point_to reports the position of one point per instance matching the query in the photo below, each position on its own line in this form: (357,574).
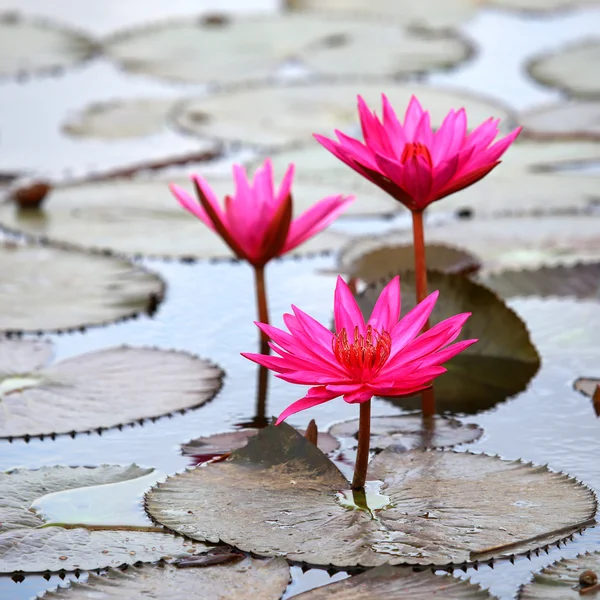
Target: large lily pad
(411,432)
(277,115)
(120,119)
(277,497)
(498,366)
(235,580)
(579,281)
(25,545)
(34,46)
(567,119)
(397,583)
(436,14)
(367,260)
(570,68)
(512,243)
(51,289)
(561,580)
(138,217)
(88,392)
(233,48)
(541,6)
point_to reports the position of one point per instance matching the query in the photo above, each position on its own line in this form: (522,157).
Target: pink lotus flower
(384,356)
(256,222)
(413,163)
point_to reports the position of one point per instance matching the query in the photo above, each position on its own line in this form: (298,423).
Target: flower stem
(362,453)
(427,396)
(261,305)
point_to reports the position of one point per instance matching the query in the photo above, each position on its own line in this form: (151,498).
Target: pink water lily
(256,221)
(413,163)
(384,356)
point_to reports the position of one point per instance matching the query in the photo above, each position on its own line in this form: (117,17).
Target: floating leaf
(587,385)
(579,281)
(87,392)
(541,6)
(510,243)
(233,48)
(368,260)
(411,432)
(241,579)
(274,115)
(570,69)
(498,366)
(435,14)
(51,289)
(34,46)
(205,448)
(567,119)
(27,546)
(444,507)
(138,217)
(397,583)
(562,579)
(120,119)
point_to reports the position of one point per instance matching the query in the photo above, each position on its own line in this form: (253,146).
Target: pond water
(209,308)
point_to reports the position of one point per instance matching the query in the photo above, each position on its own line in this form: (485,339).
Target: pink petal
(358,395)
(286,184)
(391,168)
(346,312)
(315,396)
(387,308)
(409,326)
(210,195)
(447,353)
(423,132)
(417,179)
(392,124)
(374,133)
(443,174)
(500,147)
(191,205)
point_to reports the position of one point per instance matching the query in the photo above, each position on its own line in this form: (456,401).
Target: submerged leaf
(138,217)
(397,583)
(87,392)
(27,546)
(242,47)
(411,432)
(275,115)
(34,46)
(564,579)
(51,289)
(498,366)
(444,507)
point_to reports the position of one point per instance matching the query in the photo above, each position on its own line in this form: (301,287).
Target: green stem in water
(427,396)
(362,453)
(262,307)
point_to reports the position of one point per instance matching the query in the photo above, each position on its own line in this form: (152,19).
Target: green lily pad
(239,579)
(561,580)
(568,119)
(436,14)
(276,115)
(85,393)
(137,218)
(120,119)
(237,47)
(444,507)
(29,45)
(25,545)
(51,289)
(367,260)
(570,69)
(581,280)
(411,432)
(500,365)
(397,583)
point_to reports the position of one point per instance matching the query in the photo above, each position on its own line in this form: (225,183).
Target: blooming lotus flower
(256,222)
(413,163)
(384,356)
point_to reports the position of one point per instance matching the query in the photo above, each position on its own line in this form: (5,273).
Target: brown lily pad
(411,432)
(26,545)
(498,366)
(397,583)
(444,507)
(29,45)
(246,578)
(85,393)
(570,68)
(242,47)
(51,289)
(569,119)
(276,115)
(565,579)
